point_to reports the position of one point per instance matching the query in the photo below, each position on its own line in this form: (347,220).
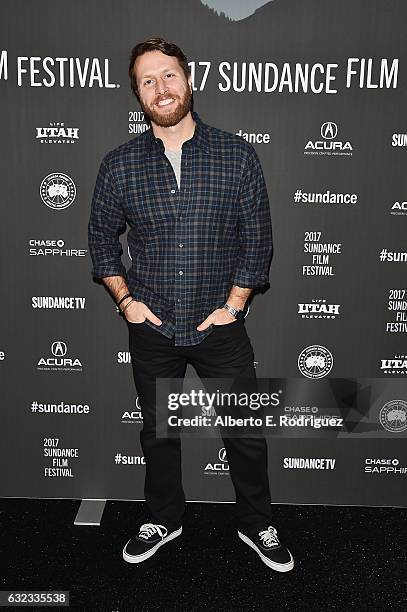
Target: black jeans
(226,352)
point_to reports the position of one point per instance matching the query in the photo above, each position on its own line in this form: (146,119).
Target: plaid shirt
(190,245)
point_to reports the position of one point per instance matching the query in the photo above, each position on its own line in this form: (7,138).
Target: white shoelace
(269,537)
(148,529)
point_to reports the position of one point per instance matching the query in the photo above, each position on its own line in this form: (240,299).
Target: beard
(172,118)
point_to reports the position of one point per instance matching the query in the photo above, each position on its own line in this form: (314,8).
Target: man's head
(160,78)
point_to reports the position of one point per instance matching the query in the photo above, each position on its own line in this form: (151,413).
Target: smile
(165,102)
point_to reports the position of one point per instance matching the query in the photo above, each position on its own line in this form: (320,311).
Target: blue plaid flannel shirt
(188,246)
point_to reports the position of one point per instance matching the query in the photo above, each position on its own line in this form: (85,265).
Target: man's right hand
(138,312)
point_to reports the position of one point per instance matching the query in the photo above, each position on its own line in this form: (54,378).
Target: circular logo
(393,416)
(58,348)
(315,361)
(57,191)
(329,130)
(222,455)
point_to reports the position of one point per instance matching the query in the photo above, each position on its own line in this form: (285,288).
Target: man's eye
(170,74)
(147,82)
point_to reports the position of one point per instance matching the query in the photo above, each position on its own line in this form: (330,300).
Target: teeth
(165,102)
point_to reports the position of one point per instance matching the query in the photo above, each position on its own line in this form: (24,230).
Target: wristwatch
(238,314)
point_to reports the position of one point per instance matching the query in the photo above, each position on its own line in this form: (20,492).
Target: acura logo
(222,455)
(58,349)
(329,130)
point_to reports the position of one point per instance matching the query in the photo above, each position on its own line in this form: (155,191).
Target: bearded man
(195,200)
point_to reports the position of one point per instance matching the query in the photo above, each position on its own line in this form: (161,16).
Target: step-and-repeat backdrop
(319,89)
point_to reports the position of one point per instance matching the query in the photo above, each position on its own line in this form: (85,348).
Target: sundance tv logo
(39,302)
(329,145)
(60,360)
(308,463)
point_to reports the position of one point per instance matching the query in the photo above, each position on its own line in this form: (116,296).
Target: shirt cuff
(109,271)
(245,279)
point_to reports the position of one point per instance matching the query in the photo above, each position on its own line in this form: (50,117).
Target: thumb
(152,317)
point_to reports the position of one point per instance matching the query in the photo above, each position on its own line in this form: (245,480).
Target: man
(196,203)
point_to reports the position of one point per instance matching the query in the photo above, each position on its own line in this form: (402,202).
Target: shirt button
(180,245)
(178,299)
(172,190)
(180,272)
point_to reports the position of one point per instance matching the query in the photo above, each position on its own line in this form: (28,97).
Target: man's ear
(190,83)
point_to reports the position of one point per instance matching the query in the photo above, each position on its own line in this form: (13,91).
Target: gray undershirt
(175,159)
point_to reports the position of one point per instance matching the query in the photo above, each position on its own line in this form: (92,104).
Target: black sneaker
(269,548)
(148,541)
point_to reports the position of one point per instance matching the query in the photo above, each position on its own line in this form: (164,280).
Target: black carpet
(346,558)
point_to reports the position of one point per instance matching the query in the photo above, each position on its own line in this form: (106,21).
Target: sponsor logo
(399,140)
(397,365)
(58,303)
(315,361)
(254,138)
(399,208)
(328,146)
(384,466)
(219,468)
(308,463)
(123,357)
(393,416)
(57,191)
(318,309)
(133,416)
(52,248)
(59,362)
(57,133)
(329,130)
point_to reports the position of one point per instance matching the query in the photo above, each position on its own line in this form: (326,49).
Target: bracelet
(127,305)
(123,298)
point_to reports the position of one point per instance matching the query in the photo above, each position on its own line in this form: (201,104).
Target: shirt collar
(199,137)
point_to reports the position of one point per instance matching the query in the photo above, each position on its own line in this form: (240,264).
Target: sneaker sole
(150,553)
(279,567)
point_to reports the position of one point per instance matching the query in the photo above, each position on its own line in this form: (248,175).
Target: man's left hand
(220,316)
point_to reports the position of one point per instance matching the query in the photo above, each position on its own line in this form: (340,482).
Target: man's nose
(161,87)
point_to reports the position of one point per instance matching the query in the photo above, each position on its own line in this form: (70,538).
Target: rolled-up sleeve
(106,223)
(255,233)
